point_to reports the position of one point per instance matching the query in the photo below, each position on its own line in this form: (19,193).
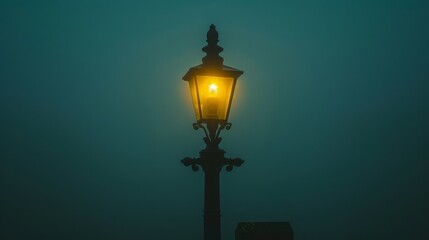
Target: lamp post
(212,86)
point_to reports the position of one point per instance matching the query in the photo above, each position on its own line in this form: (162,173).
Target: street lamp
(212,86)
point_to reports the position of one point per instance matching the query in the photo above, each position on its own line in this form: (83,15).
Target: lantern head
(212,84)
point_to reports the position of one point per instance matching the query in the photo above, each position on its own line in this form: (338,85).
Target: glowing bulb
(213,88)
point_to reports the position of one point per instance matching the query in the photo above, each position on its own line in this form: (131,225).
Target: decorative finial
(212,59)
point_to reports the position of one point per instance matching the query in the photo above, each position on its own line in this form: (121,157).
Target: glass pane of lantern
(214,95)
(193,87)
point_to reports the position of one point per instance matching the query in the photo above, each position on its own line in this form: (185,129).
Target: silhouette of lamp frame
(212,86)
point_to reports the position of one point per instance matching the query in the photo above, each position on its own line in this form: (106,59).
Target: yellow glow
(214,95)
(193,87)
(213,89)
(211,96)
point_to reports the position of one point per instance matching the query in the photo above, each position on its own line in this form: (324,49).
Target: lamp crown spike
(212,59)
(212,35)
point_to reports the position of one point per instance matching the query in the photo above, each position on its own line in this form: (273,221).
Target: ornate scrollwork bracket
(212,157)
(194,162)
(212,130)
(233,162)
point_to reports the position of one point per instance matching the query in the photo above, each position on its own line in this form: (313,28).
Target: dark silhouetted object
(263,231)
(212,87)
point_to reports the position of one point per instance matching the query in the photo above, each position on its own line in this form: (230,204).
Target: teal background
(331,117)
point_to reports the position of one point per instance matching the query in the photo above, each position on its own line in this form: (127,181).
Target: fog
(331,117)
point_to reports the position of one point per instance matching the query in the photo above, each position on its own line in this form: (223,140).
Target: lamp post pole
(212,161)
(212,158)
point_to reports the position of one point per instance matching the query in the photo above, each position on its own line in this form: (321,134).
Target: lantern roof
(223,71)
(212,62)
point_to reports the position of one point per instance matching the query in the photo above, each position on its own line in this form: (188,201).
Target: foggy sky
(331,117)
